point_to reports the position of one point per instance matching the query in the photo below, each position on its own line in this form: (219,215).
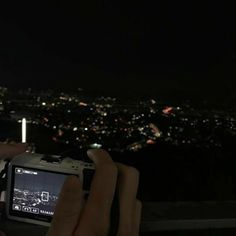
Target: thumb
(2,234)
(9,150)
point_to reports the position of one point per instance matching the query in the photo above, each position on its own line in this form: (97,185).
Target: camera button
(26,209)
(16,207)
(35,210)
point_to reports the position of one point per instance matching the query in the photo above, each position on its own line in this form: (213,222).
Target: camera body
(34,182)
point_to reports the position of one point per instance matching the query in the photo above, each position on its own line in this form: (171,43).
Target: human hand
(76,217)
(2,234)
(9,150)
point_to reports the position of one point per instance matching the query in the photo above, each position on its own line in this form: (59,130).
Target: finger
(10,150)
(137,218)
(96,212)
(2,234)
(68,208)
(128,180)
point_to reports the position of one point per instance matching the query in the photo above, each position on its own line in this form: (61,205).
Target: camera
(35,181)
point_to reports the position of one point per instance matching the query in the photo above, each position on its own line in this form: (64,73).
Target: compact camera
(34,182)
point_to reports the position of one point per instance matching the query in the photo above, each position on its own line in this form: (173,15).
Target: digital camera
(34,182)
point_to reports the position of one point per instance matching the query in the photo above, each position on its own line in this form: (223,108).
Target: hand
(2,234)
(9,150)
(75,217)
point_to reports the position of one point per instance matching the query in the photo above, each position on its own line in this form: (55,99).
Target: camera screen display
(34,192)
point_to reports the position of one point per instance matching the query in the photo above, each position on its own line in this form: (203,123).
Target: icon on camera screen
(16,207)
(34,210)
(26,209)
(45,196)
(18,171)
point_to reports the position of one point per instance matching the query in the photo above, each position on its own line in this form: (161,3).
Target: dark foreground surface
(182,218)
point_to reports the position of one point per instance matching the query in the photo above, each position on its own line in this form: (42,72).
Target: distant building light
(167,110)
(153,101)
(23,138)
(96,145)
(83,104)
(60,132)
(150,141)
(155,130)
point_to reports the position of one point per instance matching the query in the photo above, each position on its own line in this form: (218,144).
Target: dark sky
(166,48)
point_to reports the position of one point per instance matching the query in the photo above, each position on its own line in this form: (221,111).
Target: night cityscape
(155,136)
(151,83)
(82,121)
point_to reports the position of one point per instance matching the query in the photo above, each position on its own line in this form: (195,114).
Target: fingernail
(91,155)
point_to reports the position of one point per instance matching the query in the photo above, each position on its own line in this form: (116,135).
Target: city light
(117,125)
(23,130)
(167,110)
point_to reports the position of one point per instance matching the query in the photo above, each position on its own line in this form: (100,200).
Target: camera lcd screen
(34,192)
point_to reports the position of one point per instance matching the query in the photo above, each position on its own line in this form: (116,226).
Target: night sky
(170,48)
